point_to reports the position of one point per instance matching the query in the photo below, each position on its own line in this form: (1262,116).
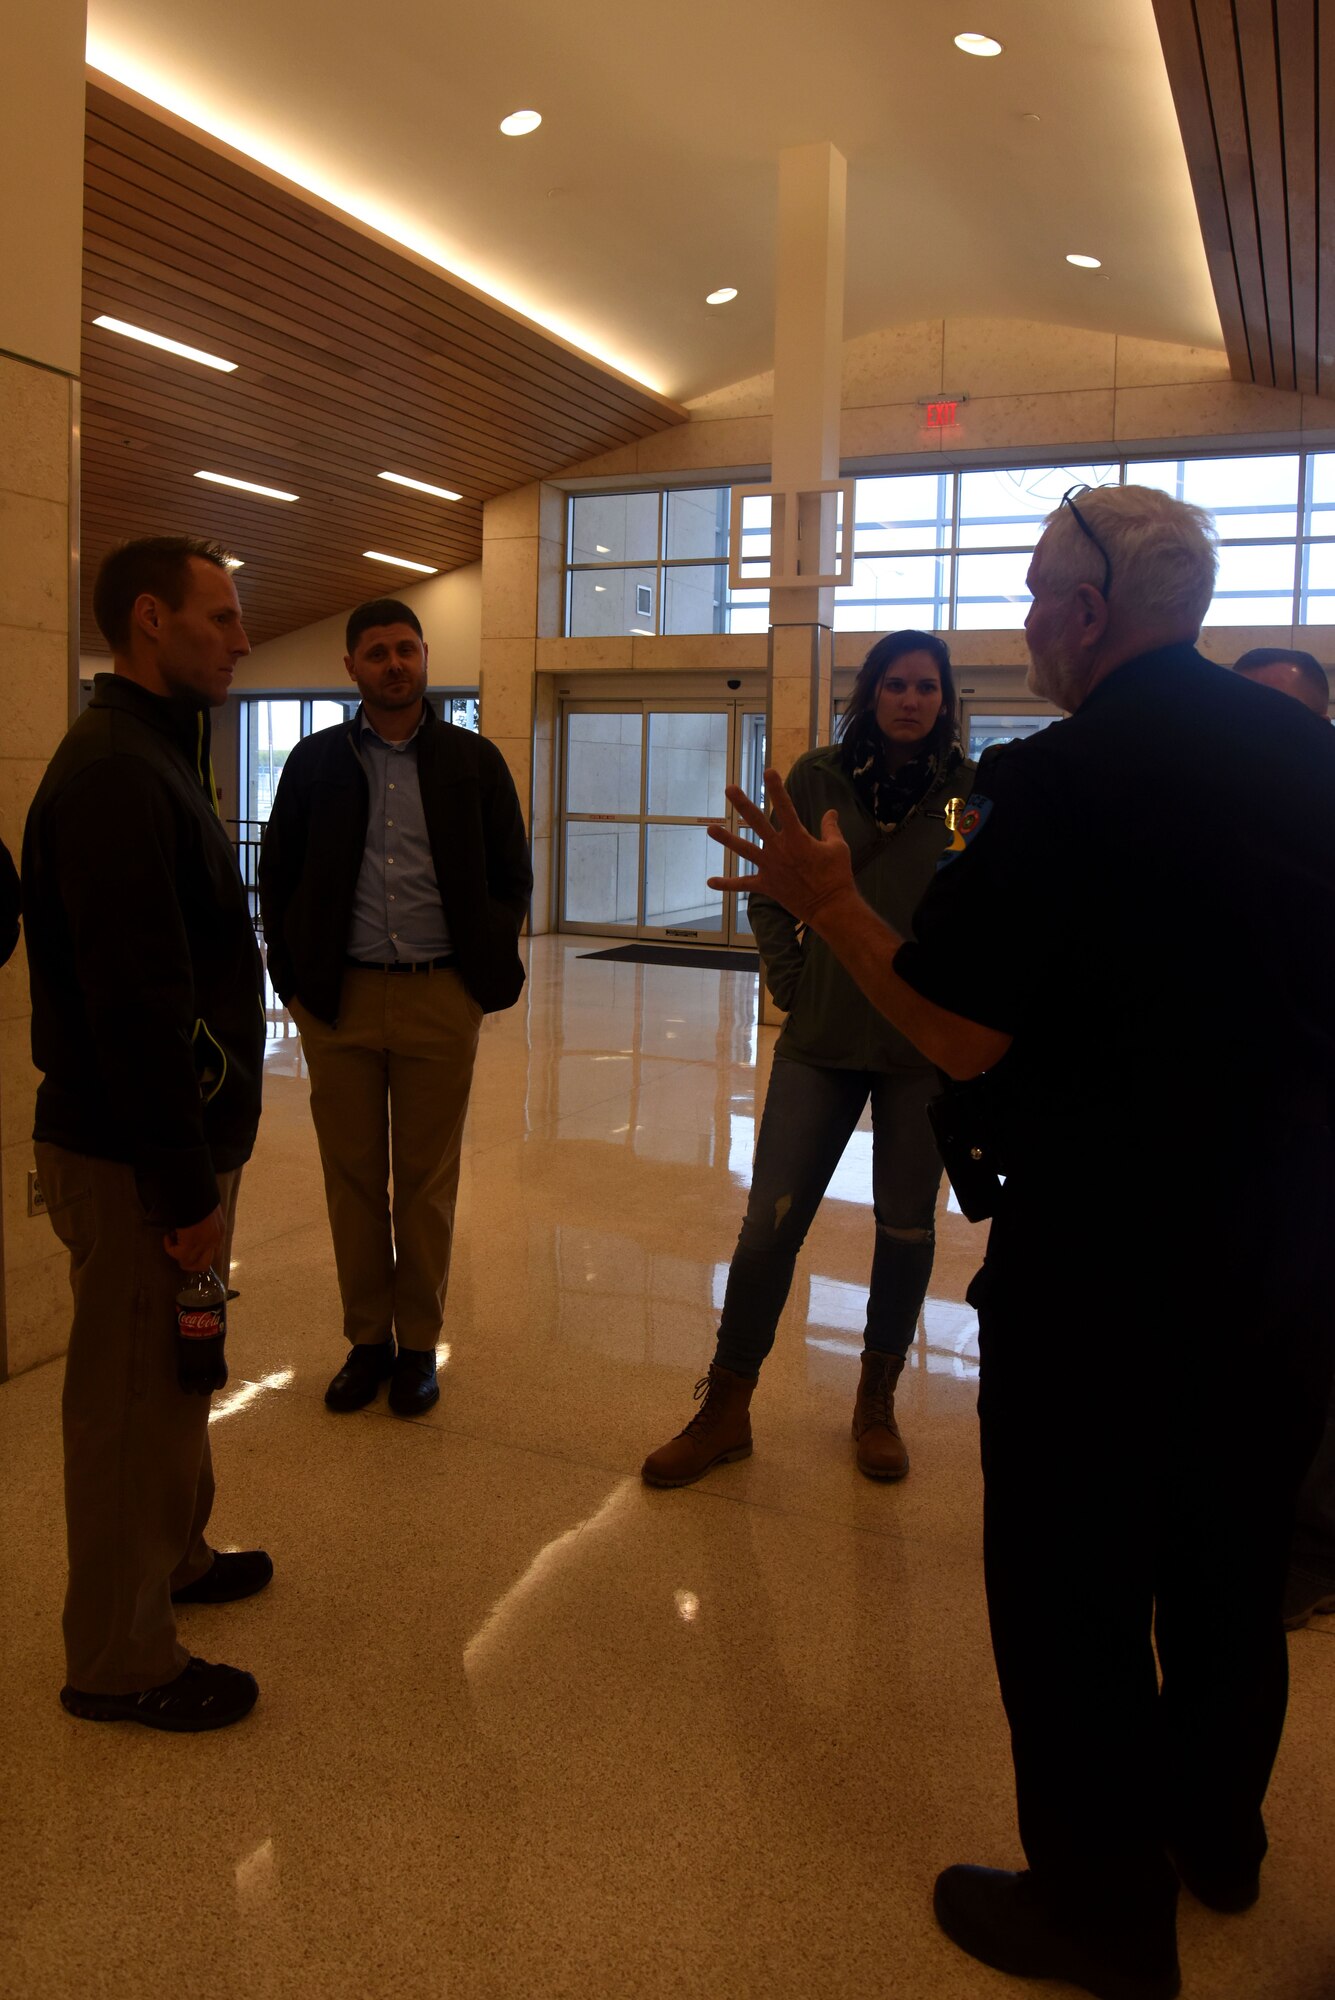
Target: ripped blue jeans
(810,1114)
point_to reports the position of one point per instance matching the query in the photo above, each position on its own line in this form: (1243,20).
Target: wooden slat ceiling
(1254,86)
(352,360)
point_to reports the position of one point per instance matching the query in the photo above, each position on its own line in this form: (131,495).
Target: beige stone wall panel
(585,656)
(36,408)
(1016,357)
(1148,364)
(34,668)
(509,590)
(753,397)
(38,1305)
(887,430)
(1211,411)
(1047,422)
(511,515)
(705,447)
(896,364)
(34,562)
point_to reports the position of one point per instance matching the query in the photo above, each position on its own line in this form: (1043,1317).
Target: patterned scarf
(890,796)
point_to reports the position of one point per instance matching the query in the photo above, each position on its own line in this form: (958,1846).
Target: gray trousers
(138,1474)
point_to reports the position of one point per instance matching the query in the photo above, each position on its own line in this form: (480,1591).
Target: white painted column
(808,369)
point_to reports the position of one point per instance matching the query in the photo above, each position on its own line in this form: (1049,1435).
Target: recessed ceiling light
(600,548)
(247,486)
(978,45)
(1086,263)
(160,340)
(600,587)
(234,562)
(399,562)
(721,298)
(420,485)
(520,122)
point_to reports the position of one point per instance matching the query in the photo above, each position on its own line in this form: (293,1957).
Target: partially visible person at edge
(1287,672)
(890,778)
(1310,1590)
(10,905)
(394,881)
(148,1027)
(1147,973)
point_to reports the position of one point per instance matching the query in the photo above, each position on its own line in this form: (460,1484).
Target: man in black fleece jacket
(148,1026)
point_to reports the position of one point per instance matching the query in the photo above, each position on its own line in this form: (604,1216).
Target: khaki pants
(138,1475)
(389,1095)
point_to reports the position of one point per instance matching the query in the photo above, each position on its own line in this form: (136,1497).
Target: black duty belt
(403,964)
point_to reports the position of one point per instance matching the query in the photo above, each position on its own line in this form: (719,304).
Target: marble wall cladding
(35,417)
(992,357)
(1208,411)
(1147,364)
(895,364)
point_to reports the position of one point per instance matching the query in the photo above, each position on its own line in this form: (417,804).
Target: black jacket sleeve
(134,974)
(509,866)
(9,905)
(282,857)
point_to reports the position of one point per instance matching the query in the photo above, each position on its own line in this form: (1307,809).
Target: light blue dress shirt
(396,913)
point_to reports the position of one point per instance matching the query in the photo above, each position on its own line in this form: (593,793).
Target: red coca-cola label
(199,1325)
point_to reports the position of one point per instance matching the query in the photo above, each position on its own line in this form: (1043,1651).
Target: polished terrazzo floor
(527,1728)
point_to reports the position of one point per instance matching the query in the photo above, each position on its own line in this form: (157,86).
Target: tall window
(949,550)
(651,563)
(272,726)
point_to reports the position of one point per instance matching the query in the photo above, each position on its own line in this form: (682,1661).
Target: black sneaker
(414,1388)
(201,1697)
(1000,1919)
(357,1382)
(232,1574)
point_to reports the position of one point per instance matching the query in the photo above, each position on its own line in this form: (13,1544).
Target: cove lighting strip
(168,346)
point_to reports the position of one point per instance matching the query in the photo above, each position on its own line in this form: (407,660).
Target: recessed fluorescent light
(600,586)
(160,340)
(978,45)
(419,485)
(520,122)
(721,297)
(399,562)
(247,486)
(1086,263)
(601,549)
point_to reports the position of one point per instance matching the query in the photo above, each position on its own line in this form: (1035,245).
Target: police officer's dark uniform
(1146,903)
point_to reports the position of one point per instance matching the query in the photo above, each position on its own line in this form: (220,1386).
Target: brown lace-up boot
(881,1453)
(719,1431)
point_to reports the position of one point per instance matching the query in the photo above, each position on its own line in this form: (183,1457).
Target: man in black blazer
(394,878)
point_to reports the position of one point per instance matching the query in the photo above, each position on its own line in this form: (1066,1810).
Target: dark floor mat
(681,954)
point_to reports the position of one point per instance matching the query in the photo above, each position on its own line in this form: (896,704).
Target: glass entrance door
(641,783)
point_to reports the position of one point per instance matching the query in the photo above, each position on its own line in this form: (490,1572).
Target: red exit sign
(942,416)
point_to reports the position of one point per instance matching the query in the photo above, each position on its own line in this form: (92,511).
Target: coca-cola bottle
(201,1329)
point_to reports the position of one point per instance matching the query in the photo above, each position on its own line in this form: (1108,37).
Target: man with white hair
(1137,944)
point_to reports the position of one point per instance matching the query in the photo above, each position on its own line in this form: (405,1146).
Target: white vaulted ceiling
(652,179)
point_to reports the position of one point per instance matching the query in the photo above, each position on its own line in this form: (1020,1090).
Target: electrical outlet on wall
(36,1199)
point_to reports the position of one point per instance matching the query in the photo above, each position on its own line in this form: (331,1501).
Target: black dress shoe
(1230,1890)
(201,1697)
(232,1574)
(1000,1919)
(413,1387)
(357,1382)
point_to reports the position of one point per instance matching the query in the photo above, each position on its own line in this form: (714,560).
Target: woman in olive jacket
(891,777)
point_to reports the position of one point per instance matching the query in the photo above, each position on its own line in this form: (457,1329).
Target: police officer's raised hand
(199,1245)
(806,875)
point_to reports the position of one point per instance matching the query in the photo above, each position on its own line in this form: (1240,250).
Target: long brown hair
(861,710)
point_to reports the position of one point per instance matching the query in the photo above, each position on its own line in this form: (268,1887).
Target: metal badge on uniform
(964,817)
